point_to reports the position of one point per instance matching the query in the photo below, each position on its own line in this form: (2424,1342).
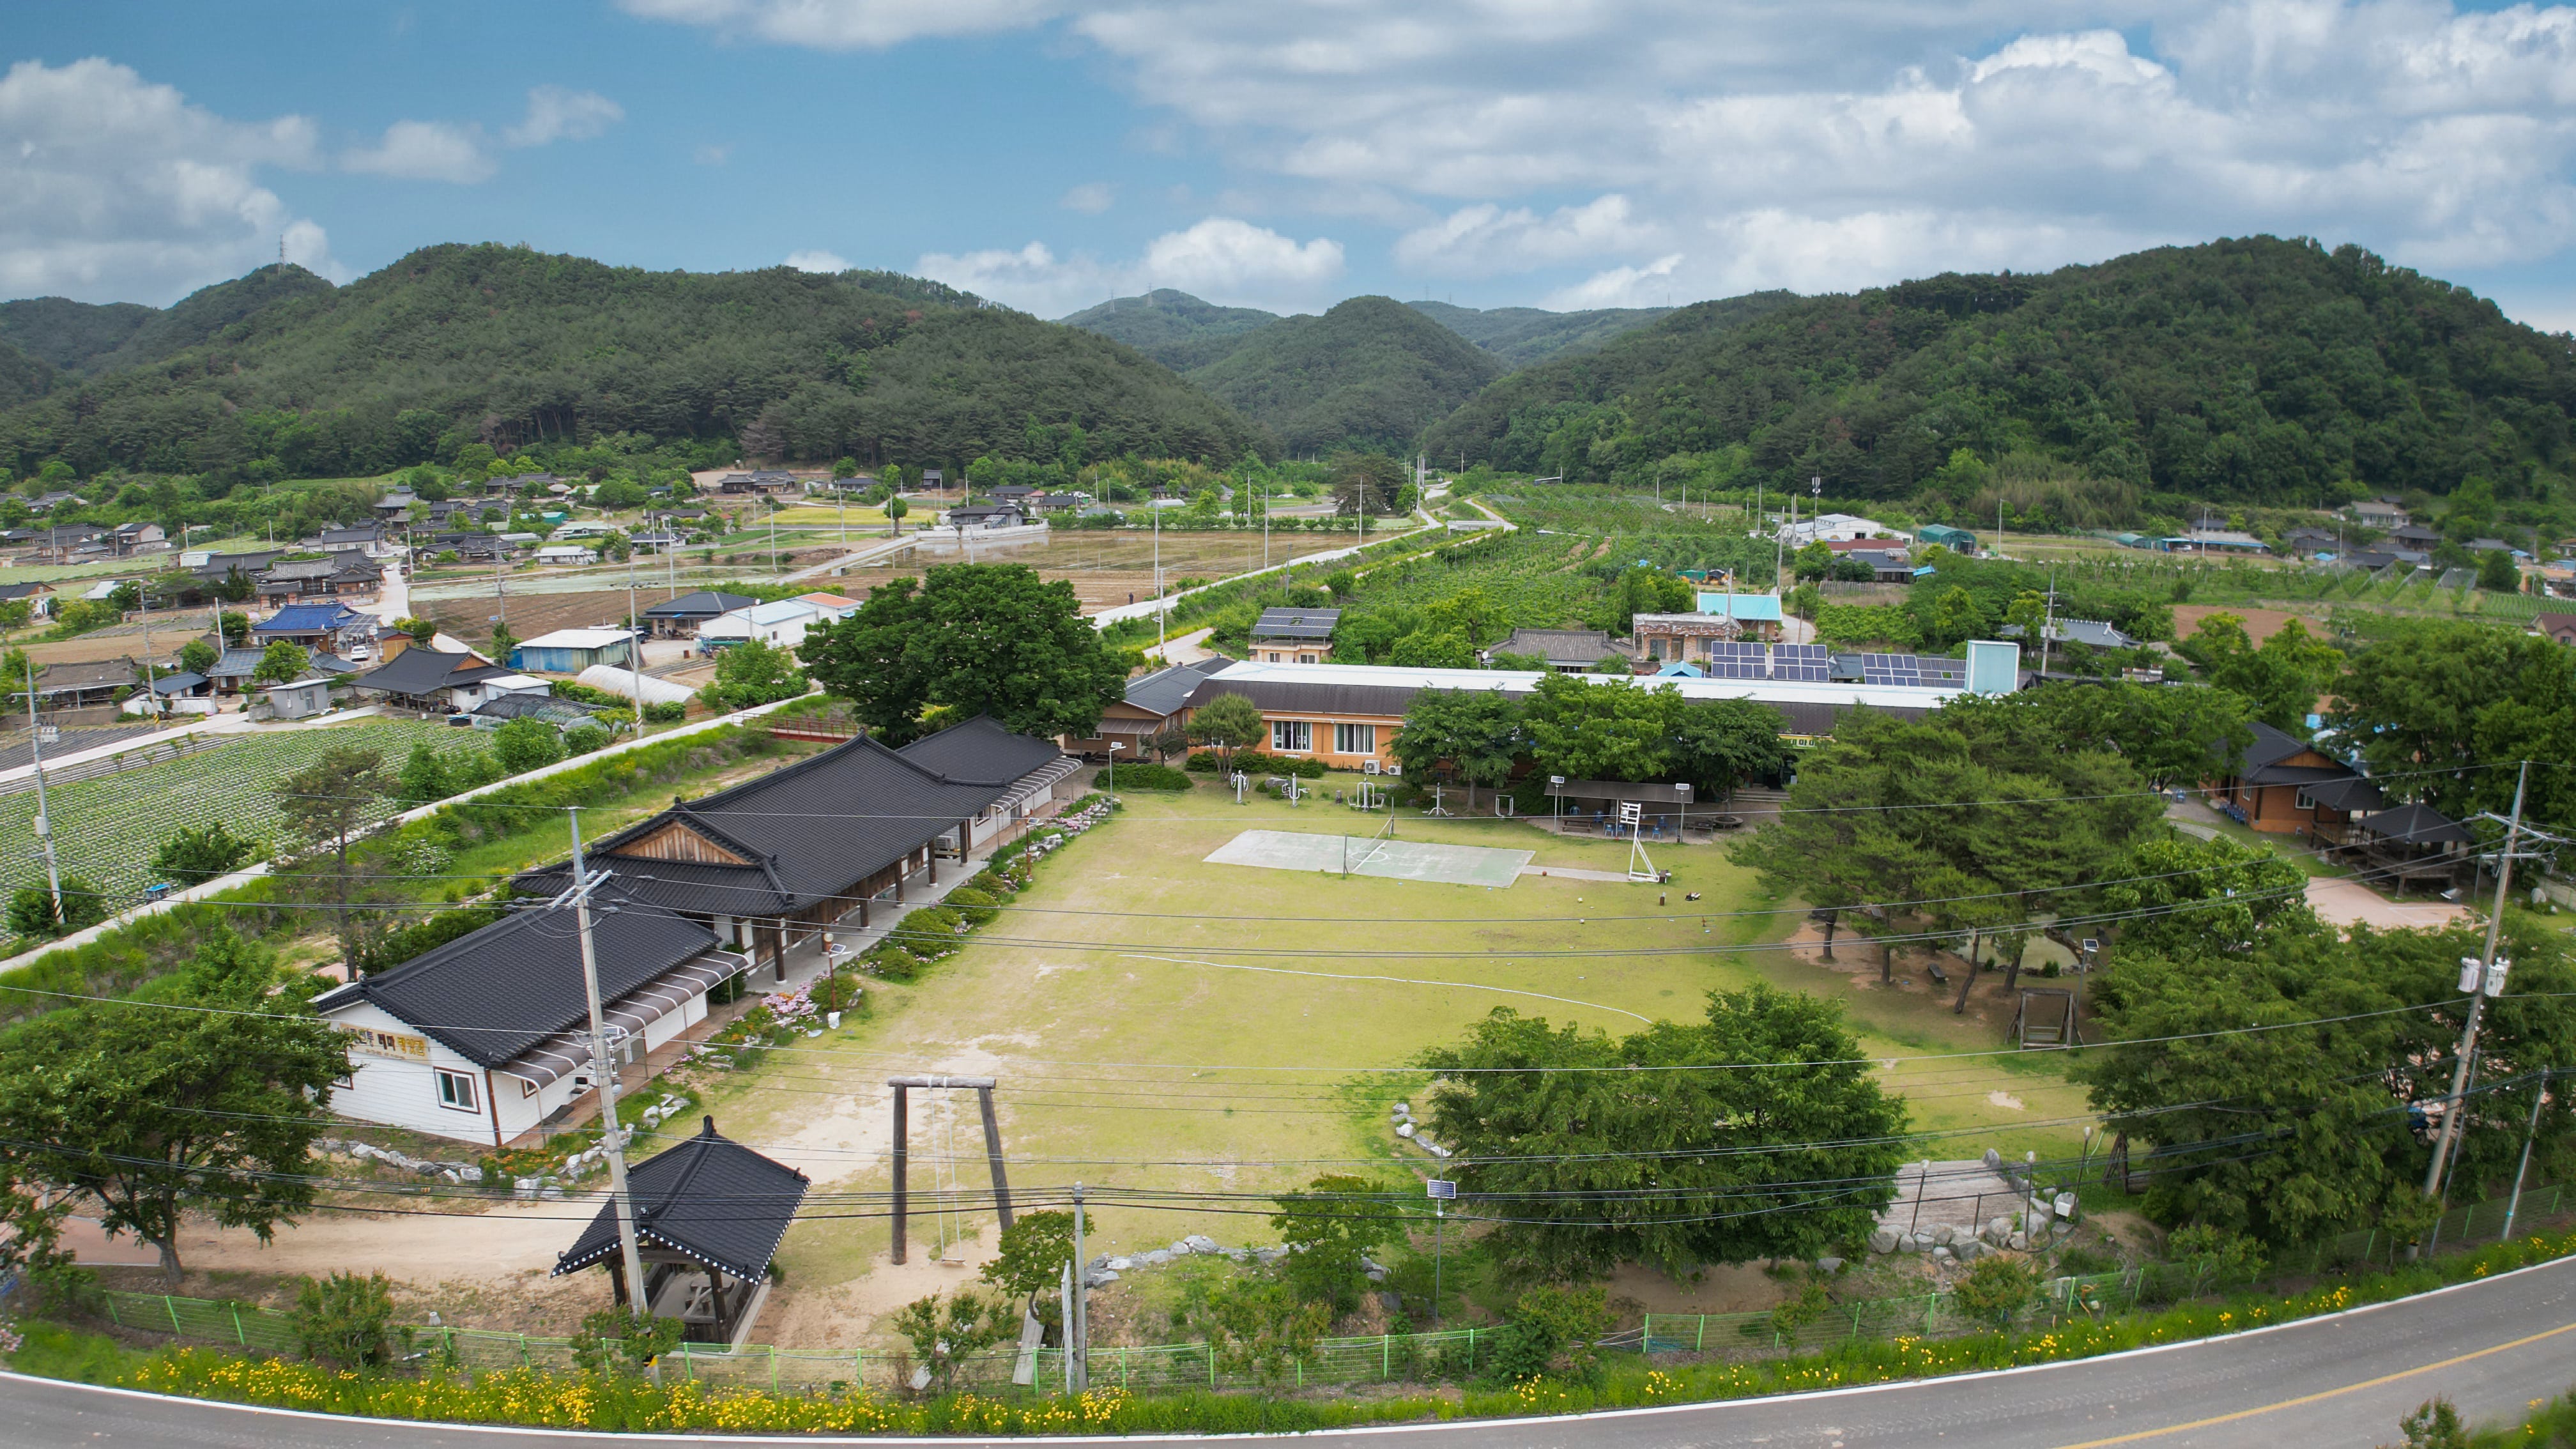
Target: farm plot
(106,830)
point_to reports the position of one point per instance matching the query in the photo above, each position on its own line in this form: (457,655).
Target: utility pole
(2048,620)
(634,643)
(605,1070)
(1162,606)
(44,822)
(2513,1204)
(2483,982)
(1077,1350)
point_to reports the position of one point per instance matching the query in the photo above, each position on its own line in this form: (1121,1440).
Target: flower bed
(934,933)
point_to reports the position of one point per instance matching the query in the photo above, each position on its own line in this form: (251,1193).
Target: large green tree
(751,673)
(2440,711)
(1758,1132)
(2266,1083)
(971,639)
(2280,681)
(1476,733)
(162,1114)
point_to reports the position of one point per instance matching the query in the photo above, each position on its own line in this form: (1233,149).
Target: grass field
(1150,1037)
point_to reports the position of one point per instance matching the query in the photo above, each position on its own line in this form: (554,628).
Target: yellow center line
(2326,1394)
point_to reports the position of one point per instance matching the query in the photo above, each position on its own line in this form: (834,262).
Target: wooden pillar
(993,1154)
(778,950)
(724,1320)
(902,1161)
(618,1280)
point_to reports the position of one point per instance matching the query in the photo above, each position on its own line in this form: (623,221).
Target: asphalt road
(2491,1347)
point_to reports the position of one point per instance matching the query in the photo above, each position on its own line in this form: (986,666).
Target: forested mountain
(1370,373)
(455,344)
(1521,336)
(1173,328)
(2256,369)
(87,337)
(22,377)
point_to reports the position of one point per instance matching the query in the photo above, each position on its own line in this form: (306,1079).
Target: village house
(984,517)
(1294,636)
(1567,651)
(2560,627)
(681,618)
(775,862)
(1722,618)
(349,574)
(437,682)
(2286,786)
(780,625)
(485,1038)
(1154,704)
(321,628)
(570,651)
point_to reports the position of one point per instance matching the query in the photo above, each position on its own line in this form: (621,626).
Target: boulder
(1829,1265)
(1116,1265)
(1968,1250)
(1943,1255)
(1405,1129)
(1944,1235)
(1883,1241)
(1181,1248)
(2065,1205)
(1157,1258)
(1994,1159)
(2018,1242)
(1099,1278)
(1404,1109)
(1202,1243)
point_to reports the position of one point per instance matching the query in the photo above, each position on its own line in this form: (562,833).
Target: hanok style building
(1154,704)
(485,1038)
(1568,651)
(681,618)
(348,574)
(2286,786)
(2561,627)
(428,679)
(776,861)
(1294,636)
(709,1214)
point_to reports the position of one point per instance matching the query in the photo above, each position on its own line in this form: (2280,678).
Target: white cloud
(711,155)
(817,261)
(1838,142)
(1220,259)
(119,189)
(847,24)
(1482,240)
(425,151)
(1091,196)
(556,114)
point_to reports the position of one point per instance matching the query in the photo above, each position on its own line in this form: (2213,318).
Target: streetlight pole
(2484,983)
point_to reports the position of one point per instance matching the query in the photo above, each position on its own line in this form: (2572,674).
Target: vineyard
(106,830)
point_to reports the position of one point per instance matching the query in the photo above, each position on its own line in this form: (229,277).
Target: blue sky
(1496,152)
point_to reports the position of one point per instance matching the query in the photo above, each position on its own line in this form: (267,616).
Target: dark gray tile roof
(2417,824)
(710,1198)
(981,749)
(1286,696)
(1167,691)
(419,670)
(812,829)
(2350,793)
(704,604)
(494,993)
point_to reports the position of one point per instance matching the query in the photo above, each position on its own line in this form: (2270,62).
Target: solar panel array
(1729,659)
(1899,669)
(1806,663)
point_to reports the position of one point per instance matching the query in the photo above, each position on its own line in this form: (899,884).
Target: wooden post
(993,1154)
(902,1160)
(716,1294)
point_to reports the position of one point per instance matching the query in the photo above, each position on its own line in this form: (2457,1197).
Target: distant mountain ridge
(2257,368)
(1173,328)
(1523,336)
(1370,373)
(282,374)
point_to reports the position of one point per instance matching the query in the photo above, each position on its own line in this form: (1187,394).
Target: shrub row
(935,933)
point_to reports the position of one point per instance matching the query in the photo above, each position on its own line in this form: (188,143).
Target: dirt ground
(2260,624)
(2347,903)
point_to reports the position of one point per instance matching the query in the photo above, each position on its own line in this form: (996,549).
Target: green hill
(2255,369)
(22,377)
(1173,328)
(1371,372)
(87,337)
(1524,336)
(458,343)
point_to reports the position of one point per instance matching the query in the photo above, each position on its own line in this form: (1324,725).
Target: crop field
(105,830)
(1156,1021)
(1107,567)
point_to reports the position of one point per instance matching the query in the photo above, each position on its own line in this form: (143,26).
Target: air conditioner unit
(1393,768)
(1369,768)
